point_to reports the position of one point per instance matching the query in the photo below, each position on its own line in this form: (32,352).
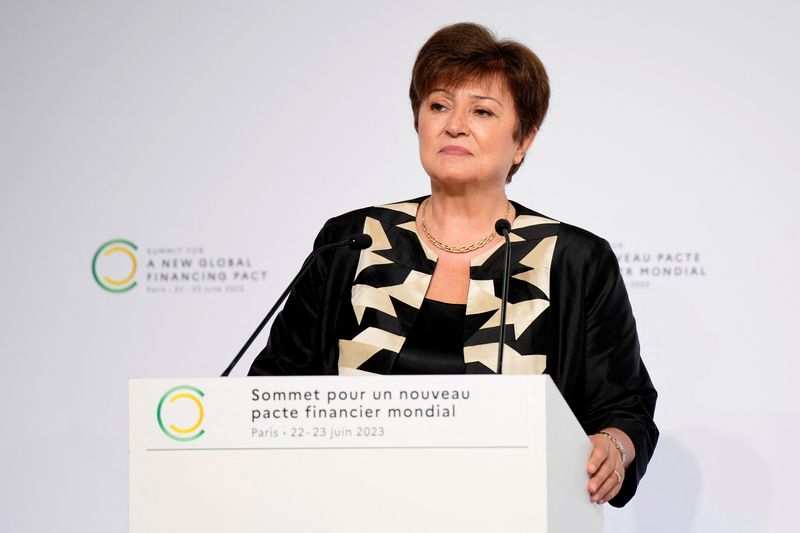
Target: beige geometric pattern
(542,254)
(539,259)
(363,296)
(409,208)
(353,354)
(513,362)
(521,314)
(350,371)
(524,221)
(481,298)
(381,339)
(410,226)
(411,291)
(538,277)
(482,353)
(379,242)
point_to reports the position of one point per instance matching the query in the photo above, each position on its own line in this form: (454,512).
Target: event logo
(119,265)
(114,265)
(180,413)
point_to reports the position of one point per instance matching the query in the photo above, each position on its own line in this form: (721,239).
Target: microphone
(355,242)
(503,227)
(360,241)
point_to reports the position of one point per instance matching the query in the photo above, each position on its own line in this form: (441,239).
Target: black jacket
(569,316)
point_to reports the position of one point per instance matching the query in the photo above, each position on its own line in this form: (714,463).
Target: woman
(424,297)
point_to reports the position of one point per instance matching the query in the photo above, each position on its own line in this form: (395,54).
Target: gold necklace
(465,247)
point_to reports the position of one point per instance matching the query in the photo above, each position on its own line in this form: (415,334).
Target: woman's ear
(524,145)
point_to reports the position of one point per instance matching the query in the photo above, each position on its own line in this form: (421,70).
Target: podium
(357,454)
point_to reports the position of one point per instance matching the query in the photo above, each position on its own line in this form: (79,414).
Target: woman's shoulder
(353,222)
(572,242)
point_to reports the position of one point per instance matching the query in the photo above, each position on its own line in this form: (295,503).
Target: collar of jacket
(393,275)
(395,238)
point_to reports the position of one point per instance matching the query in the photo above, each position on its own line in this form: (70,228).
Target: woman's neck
(466,215)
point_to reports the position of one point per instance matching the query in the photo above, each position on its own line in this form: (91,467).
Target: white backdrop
(227,132)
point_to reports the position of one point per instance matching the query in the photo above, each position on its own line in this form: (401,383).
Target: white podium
(404,454)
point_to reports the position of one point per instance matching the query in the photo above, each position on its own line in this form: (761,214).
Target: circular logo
(114,265)
(180,413)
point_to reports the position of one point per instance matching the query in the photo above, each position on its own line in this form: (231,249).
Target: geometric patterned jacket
(568,316)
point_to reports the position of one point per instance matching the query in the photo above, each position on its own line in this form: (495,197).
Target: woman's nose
(456,124)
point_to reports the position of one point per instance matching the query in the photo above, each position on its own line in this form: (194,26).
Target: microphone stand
(503,227)
(356,242)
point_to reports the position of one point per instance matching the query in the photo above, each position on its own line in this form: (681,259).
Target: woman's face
(466,134)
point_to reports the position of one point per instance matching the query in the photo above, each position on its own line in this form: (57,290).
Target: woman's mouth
(454,150)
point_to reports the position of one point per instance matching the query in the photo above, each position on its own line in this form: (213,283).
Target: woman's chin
(464,179)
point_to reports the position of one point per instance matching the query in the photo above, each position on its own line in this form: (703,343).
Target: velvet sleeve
(618,391)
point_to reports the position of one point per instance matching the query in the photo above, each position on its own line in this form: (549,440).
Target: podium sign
(357,454)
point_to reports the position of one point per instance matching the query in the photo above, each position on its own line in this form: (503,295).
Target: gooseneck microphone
(503,227)
(355,242)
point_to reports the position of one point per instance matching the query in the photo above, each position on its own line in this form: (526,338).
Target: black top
(435,344)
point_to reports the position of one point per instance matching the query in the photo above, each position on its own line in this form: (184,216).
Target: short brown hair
(462,52)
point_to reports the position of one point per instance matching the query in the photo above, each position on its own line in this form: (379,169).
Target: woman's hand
(606,468)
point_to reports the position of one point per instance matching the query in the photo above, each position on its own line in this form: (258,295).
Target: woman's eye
(437,107)
(484,113)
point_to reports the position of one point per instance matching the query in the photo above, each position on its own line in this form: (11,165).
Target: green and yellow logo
(114,265)
(180,413)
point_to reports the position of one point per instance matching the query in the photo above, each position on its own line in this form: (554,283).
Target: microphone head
(502,227)
(360,241)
